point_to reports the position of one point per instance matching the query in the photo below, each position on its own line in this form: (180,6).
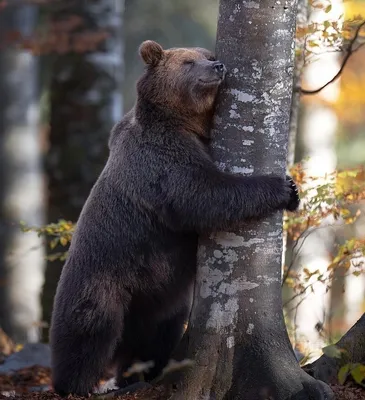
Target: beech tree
(85,102)
(21,255)
(237,335)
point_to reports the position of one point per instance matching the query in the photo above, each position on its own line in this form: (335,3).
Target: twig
(310,285)
(350,51)
(295,253)
(304,235)
(297,295)
(295,320)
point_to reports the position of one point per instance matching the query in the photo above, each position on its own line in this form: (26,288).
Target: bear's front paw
(294,200)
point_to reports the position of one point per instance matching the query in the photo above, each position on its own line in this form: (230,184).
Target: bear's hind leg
(155,342)
(82,348)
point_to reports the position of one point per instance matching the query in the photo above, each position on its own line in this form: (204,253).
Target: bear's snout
(220,69)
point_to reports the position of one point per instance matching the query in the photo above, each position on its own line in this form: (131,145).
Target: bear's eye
(189,62)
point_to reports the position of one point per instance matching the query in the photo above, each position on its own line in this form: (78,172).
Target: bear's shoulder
(126,125)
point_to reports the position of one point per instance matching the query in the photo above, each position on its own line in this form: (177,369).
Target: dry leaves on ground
(19,386)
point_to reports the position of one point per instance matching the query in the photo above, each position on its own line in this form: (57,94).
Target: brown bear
(125,290)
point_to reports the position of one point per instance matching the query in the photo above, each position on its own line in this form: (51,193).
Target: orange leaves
(322,197)
(350,255)
(350,185)
(326,6)
(69,34)
(68,24)
(350,26)
(298,174)
(318,37)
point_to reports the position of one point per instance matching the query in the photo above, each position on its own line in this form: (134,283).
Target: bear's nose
(219,68)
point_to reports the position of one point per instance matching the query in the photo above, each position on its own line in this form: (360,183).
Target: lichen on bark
(237,335)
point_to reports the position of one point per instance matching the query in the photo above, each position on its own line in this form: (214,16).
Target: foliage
(355,370)
(329,196)
(60,234)
(69,34)
(332,33)
(348,369)
(336,196)
(177,23)
(329,31)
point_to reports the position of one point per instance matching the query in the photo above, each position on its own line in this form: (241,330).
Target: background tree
(85,97)
(237,334)
(187,23)
(349,147)
(21,178)
(317,136)
(317,247)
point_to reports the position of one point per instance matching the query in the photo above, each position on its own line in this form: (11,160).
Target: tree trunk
(237,333)
(353,342)
(289,252)
(301,22)
(318,136)
(21,180)
(86,101)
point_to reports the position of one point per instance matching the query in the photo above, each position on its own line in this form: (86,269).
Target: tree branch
(350,51)
(304,235)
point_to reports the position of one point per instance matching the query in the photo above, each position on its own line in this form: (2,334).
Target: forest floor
(22,385)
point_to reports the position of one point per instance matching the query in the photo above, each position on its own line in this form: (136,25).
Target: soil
(20,386)
(26,383)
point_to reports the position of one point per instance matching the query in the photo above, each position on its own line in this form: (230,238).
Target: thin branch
(298,294)
(350,51)
(310,285)
(295,253)
(304,235)
(296,319)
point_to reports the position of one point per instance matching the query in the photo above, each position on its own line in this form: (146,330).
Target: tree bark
(353,343)
(318,137)
(86,101)
(237,334)
(21,179)
(302,22)
(289,252)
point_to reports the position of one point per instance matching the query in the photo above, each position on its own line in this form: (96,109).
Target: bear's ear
(150,52)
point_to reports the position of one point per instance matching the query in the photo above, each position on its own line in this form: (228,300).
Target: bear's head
(183,81)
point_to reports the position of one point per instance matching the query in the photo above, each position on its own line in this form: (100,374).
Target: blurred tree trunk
(294,150)
(302,23)
(237,334)
(86,101)
(21,180)
(317,135)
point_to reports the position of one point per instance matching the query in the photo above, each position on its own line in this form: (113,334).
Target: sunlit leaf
(63,241)
(358,373)
(343,373)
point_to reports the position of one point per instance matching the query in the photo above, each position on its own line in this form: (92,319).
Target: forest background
(67,74)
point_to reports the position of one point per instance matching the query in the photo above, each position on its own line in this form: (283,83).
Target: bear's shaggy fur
(125,290)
